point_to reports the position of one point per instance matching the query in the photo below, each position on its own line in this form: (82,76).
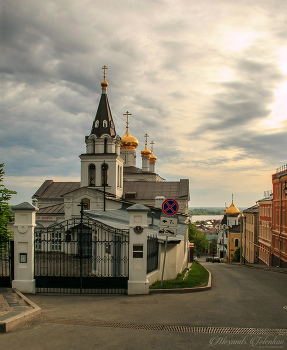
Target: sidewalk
(263,267)
(15,308)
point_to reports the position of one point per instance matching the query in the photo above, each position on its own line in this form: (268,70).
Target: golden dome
(128,141)
(152,158)
(232,211)
(104,84)
(145,152)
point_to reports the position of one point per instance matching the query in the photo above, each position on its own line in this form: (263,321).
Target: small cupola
(145,153)
(128,141)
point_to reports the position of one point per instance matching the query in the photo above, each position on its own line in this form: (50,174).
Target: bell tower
(102,162)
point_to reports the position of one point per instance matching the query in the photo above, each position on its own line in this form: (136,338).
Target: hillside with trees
(203,211)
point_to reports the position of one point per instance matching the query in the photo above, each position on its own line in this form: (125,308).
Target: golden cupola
(232,211)
(152,157)
(128,141)
(146,152)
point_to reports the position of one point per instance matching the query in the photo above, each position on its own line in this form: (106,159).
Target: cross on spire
(104,68)
(152,143)
(146,136)
(127,114)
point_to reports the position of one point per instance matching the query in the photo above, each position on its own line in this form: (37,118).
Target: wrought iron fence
(81,257)
(152,253)
(6,262)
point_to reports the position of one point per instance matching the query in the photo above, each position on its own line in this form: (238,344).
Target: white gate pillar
(25,221)
(138,283)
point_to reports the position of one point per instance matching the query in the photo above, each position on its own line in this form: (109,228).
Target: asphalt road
(239,298)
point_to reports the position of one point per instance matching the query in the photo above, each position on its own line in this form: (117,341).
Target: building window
(105,124)
(92,175)
(105,174)
(236,242)
(105,145)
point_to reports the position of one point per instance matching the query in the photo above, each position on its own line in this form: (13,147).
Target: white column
(145,164)
(138,283)
(152,167)
(25,221)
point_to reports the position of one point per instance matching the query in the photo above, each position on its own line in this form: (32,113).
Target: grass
(197,277)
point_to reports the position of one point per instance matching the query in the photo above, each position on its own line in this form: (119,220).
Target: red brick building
(279,227)
(265,228)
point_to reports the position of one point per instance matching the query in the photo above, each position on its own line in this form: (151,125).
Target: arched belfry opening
(105,145)
(92,175)
(105,174)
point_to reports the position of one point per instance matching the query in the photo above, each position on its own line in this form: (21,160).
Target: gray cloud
(161,58)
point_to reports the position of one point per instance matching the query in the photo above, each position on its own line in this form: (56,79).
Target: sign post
(168,225)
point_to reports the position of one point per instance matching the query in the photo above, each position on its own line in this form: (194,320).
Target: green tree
(236,255)
(198,238)
(213,247)
(5,209)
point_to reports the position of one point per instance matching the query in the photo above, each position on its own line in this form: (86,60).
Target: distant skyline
(206,80)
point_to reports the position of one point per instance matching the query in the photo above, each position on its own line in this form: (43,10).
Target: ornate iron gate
(81,256)
(6,262)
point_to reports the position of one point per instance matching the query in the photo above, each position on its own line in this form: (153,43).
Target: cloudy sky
(207,80)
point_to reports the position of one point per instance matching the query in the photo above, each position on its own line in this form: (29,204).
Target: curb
(184,290)
(13,322)
(267,268)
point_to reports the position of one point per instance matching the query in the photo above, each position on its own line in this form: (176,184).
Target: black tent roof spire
(103,123)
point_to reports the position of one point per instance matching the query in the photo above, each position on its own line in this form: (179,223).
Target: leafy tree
(236,255)
(213,247)
(5,210)
(198,238)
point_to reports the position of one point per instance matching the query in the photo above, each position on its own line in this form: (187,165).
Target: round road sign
(170,207)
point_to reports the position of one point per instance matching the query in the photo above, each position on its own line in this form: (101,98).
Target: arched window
(236,242)
(105,174)
(105,145)
(92,175)
(105,123)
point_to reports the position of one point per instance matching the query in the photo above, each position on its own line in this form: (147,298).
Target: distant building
(279,227)
(227,232)
(250,240)
(233,241)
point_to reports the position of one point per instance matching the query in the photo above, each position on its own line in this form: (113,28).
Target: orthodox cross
(127,114)
(104,68)
(146,136)
(152,143)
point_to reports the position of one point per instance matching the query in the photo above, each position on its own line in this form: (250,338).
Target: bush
(236,255)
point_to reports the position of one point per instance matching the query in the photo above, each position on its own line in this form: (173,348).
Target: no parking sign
(170,207)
